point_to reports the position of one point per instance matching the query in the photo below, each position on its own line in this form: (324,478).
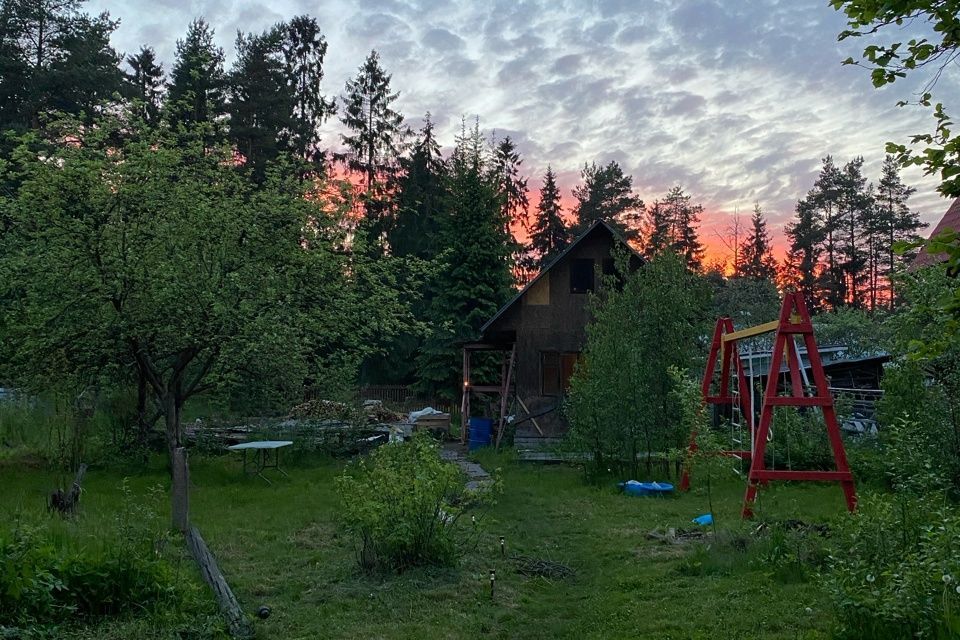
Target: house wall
(550,318)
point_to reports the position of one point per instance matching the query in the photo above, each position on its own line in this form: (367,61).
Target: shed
(541,332)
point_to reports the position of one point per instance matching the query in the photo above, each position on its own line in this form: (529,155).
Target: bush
(895,572)
(49,576)
(405,504)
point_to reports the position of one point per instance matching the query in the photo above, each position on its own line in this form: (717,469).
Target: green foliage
(863,333)
(404,503)
(619,403)
(607,194)
(938,152)
(474,271)
(747,301)
(49,576)
(894,570)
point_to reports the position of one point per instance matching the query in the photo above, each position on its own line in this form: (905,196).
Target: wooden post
(180,490)
(465,402)
(237,623)
(505,393)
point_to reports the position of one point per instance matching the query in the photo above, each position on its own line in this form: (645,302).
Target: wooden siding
(559,325)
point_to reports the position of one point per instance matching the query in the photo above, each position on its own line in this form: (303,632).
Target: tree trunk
(180,491)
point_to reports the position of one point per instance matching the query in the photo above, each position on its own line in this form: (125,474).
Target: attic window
(581,275)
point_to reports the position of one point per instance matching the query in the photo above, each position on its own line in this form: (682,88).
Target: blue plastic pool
(634,488)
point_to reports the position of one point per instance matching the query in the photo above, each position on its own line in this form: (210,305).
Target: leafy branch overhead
(937,153)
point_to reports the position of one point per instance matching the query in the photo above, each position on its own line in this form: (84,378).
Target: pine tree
(197,82)
(806,235)
(756,259)
(375,141)
(824,203)
(607,194)
(147,83)
(549,233)
(304,49)
(855,205)
(476,276)
(54,57)
(895,221)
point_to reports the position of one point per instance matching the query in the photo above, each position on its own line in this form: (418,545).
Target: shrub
(405,504)
(895,572)
(49,576)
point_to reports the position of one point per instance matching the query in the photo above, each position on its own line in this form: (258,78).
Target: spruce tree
(607,194)
(420,198)
(146,83)
(512,188)
(658,228)
(549,233)
(304,49)
(755,256)
(375,139)
(260,103)
(198,83)
(683,217)
(476,274)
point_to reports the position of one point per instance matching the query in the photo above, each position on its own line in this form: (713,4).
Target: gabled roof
(950,220)
(593,226)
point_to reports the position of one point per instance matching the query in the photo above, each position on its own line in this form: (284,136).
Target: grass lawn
(280,546)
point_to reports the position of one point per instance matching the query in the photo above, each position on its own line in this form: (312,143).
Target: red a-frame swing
(794,321)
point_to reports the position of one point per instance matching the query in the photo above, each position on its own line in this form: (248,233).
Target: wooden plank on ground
(237,623)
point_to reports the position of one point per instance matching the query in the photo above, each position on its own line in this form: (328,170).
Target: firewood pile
(323,410)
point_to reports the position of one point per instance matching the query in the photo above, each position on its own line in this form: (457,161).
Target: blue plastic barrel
(480,429)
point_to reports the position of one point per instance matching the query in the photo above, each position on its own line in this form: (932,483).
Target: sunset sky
(735,101)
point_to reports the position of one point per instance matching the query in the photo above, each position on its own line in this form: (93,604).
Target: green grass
(281,546)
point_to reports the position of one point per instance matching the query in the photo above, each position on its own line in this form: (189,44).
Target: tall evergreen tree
(374,142)
(198,83)
(824,203)
(895,221)
(658,230)
(671,225)
(260,103)
(476,275)
(54,56)
(147,83)
(549,233)
(756,259)
(607,194)
(806,236)
(684,218)
(304,49)
(855,206)
(512,188)
(420,198)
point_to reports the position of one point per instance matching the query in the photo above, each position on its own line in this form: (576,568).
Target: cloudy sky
(736,101)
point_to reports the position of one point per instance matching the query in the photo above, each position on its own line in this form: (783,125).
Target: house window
(556,369)
(581,275)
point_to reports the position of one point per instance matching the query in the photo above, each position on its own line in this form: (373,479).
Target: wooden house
(542,331)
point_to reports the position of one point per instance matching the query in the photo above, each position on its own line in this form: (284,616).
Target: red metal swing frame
(794,321)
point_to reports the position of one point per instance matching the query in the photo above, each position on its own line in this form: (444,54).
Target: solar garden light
(503,551)
(493,581)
